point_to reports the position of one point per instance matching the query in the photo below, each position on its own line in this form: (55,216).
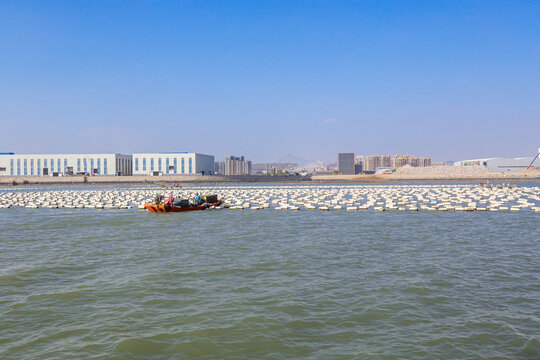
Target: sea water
(268,284)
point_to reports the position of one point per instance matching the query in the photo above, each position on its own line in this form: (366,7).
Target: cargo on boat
(181,205)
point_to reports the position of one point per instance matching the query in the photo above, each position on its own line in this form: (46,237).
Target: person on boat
(197,199)
(169,201)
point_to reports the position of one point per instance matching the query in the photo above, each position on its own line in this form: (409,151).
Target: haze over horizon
(448,80)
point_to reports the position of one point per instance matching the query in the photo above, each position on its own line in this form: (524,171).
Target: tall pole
(533,160)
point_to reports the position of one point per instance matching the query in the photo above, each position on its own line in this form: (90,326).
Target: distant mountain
(292,159)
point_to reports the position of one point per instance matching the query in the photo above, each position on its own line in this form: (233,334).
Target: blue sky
(446,79)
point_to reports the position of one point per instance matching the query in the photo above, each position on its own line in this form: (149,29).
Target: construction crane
(536,157)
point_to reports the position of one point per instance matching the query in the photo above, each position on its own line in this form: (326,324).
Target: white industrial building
(170,163)
(503,164)
(64,164)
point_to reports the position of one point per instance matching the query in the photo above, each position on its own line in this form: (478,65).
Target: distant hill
(292,159)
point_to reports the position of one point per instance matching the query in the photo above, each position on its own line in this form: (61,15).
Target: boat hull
(167,208)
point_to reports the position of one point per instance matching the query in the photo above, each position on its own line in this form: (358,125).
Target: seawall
(135,180)
(214,179)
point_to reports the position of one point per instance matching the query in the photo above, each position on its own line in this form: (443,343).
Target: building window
(78,165)
(144,164)
(167,165)
(92,165)
(85,165)
(105,166)
(152,164)
(58,162)
(52,165)
(175,164)
(65,164)
(12,167)
(190,165)
(32,167)
(136,164)
(159,164)
(38,166)
(183,163)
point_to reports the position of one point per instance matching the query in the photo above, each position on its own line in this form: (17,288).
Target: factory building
(502,164)
(171,163)
(345,163)
(64,164)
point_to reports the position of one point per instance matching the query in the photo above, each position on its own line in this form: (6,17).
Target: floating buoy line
(452,197)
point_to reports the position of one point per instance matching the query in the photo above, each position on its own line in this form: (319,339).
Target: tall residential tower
(345,163)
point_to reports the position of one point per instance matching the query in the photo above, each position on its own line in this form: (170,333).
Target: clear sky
(446,79)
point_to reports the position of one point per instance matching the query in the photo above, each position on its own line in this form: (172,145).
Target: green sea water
(129,284)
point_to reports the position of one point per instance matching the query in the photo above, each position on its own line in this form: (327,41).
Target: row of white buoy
(293,197)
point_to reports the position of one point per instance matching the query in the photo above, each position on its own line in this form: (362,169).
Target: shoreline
(169,180)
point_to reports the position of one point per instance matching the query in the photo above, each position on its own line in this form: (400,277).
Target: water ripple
(269,285)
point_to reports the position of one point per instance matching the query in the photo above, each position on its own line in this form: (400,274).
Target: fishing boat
(171,208)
